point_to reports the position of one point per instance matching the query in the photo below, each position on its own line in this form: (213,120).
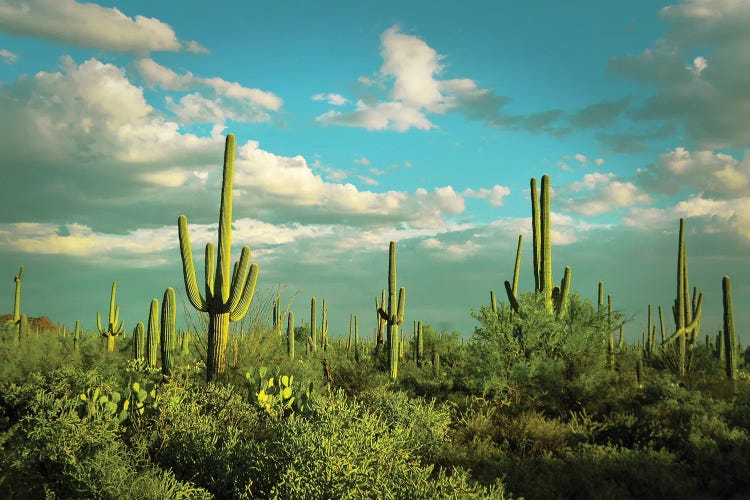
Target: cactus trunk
(218,336)
(730,335)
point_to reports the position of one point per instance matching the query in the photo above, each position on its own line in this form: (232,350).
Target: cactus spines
(730,335)
(17,300)
(139,341)
(290,335)
(168,331)
(228,296)
(313,338)
(152,334)
(113,328)
(394,316)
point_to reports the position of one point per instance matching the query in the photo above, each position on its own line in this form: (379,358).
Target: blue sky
(356,123)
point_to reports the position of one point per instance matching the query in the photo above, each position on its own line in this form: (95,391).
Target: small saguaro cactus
(356,340)
(168,331)
(113,328)
(313,342)
(324,328)
(76,335)
(228,295)
(152,334)
(17,301)
(394,316)
(420,344)
(276,314)
(290,335)
(139,341)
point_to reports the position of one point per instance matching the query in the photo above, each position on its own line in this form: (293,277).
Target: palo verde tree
(227,296)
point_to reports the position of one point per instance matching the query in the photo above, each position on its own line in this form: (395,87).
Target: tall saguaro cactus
(139,341)
(227,296)
(17,300)
(730,335)
(687,313)
(313,341)
(556,298)
(113,328)
(394,316)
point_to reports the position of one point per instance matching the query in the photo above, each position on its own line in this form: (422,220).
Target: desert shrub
(343,450)
(50,449)
(508,351)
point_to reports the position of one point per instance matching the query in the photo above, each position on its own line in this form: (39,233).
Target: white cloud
(599,161)
(603,193)
(194,108)
(154,73)
(412,68)
(699,65)
(7,56)
(362,161)
(367,180)
(88,25)
(332,99)
(494,196)
(377,171)
(718,174)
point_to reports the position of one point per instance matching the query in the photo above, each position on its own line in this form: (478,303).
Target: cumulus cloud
(717,174)
(7,56)
(90,25)
(332,99)
(494,196)
(598,193)
(709,96)
(232,100)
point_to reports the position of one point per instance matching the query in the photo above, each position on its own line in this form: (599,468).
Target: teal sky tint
(362,122)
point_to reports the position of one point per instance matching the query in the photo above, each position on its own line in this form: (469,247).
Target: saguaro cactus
(556,298)
(395,314)
(139,342)
(276,314)
(17,300)
(168,332)
(23,328)
(152,334)
(113,328)
(76,335)
(687,313)
(290,334)
(313,342)
(730,335)
(227,296)
(420,344)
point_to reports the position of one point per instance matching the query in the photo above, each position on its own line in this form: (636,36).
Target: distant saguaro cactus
(17,300)
(730,335)
(394,316)
(113,328)
(228,296)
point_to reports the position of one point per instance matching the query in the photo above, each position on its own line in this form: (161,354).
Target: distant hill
(43,322)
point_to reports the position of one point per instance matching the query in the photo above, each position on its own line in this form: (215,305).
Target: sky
(358,123)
